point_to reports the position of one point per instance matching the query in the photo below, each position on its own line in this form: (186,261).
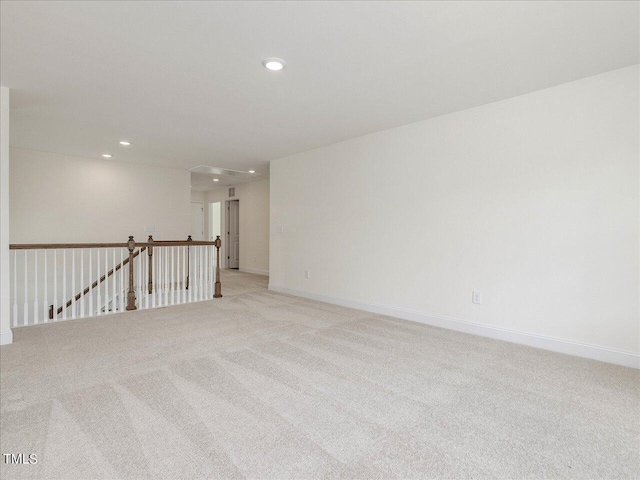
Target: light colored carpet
(264,385)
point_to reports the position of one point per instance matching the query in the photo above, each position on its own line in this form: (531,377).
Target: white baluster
(145,285)
(173,279)
(214,271)
(185,292)
(201,276)
(139,290)
(212,261)
(190,273)
(166,276)
(116,278)
(178,290)
(196,283)
(203,272)
(15,288)
(206,272)
(193,276)
(151,275)
(106,281)
(177,278)
(161,274)
(196,270)
(158,275)
(180,278)
(156,285)
(184,274)
(115,299)
(90,306)
(25,307)
(200,282)
(155,276)
(73,283)
(212,268)
(114,284)
(45,299)
(199,273)
(120,282)
(82,299)
(207,269)
(55,285)
(99,286)
(64,284)
(122,289)
(36,309)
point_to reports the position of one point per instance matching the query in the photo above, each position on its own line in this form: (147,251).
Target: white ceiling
(183,81)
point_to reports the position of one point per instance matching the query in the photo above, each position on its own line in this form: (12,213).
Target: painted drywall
(254,224)
(197,196)
(532,201)
(6,335)
(60,198)
(215,219)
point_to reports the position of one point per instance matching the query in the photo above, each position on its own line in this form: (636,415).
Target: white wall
(197,196)
(532,201)
(254,224)
(60,198)
(215,219)
(6,335)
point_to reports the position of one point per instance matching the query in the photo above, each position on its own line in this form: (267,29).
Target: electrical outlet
(307,274)
(476,297)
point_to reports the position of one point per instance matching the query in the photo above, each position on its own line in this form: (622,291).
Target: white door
(197,221)
(233,234)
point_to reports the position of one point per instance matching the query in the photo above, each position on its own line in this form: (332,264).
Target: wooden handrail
(155,243)
(94,284)
(135,249)
(49,246)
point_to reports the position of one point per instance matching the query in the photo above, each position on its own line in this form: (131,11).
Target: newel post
(218,285)
(150,257)
(189,239)
(131,296)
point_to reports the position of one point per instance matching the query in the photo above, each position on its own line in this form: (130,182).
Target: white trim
(569,347)
(255,271)
(6,338)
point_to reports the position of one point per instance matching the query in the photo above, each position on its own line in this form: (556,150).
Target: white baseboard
(255,271)
(6,338)
(595,352)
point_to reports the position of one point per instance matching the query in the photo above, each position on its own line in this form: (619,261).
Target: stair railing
(165,278)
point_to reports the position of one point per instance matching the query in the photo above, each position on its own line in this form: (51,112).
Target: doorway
(233,234)
(197,221)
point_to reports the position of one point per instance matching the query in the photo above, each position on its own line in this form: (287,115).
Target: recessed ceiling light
(252,171)
(107,155)
(273,63)
(216,179)
(126,144)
